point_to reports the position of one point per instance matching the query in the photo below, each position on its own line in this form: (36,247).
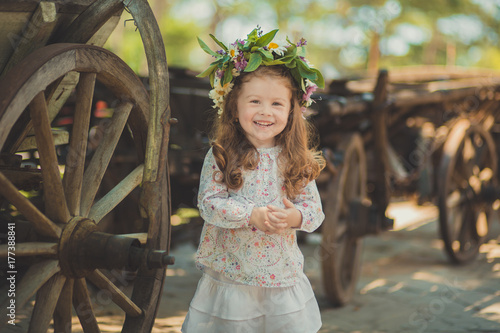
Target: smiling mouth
(263,124)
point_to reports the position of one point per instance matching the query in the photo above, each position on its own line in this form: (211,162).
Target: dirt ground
(406,283)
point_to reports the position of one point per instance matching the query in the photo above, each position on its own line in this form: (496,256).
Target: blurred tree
(344,36)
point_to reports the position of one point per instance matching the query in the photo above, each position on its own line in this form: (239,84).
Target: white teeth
(263,124)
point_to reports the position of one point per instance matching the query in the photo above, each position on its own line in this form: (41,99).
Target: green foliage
(339,32)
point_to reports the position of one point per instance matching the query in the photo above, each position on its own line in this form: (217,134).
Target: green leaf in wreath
(224,47)
(254,62)
(305,71)
(205,48)
(301,51)
(208,71)
(320,82)
(228,76)
(266,39)
(266,55)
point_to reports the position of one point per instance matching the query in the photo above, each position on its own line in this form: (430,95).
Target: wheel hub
(83,248)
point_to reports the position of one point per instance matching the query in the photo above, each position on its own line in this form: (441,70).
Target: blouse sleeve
(216,204)
(309,204)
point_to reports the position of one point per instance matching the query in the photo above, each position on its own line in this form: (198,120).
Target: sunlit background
(345,37)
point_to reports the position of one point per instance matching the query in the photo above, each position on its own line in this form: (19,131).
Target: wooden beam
(35,34)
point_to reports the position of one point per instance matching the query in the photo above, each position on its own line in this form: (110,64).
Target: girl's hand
(258,219)
(280,219)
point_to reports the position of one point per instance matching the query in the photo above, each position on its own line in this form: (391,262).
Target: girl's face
(263,109)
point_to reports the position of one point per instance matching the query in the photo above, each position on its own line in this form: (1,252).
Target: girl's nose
(265,110)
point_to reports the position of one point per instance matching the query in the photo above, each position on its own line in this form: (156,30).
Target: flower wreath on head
(259,50)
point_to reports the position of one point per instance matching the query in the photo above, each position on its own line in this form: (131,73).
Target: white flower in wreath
(218,93)
(279,47)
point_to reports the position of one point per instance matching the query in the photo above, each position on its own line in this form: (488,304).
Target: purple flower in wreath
(240,63)
(302,42)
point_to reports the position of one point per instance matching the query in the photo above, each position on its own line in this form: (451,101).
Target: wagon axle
(83,249)
(366,219)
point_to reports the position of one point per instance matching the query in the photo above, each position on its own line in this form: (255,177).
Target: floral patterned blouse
(243,253)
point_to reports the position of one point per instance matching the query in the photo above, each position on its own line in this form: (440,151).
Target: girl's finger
(288,203)
(270,228)
(278,215)
(277,228)
(273,208)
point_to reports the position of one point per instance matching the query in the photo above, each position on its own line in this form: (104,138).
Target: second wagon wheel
(468,167)
(340,251)
(64,257)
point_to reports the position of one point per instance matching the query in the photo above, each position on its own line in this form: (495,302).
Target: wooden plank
(35,34)
(99,163)
(23,178)
(379,111)
(46,301)
(88,23)
(118,297)
(116,195)
(60,137)
(55,203)
(40,222)
(73,6)
(75,162)
(102,35)
(11,25)
(30,249)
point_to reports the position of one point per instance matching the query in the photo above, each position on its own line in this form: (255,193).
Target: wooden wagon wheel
(340,251)
(65,248)
(468,166)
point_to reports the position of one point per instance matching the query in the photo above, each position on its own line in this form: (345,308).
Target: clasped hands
(274,220)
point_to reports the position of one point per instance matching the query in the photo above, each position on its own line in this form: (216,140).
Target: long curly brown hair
(299,161)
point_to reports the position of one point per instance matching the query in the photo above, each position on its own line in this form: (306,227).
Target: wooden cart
(58,246)
(424,132)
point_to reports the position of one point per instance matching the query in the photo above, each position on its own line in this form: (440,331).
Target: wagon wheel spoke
(75,162)
(34,278)
(30,249)
(46,301)
(99,163)
(116,195)
(118,297)
(40,222)
(62,314)
(55,204)
(456,223)
(464,232)
(83,307)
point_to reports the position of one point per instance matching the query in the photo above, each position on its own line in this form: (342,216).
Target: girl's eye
(277,103)
(254,101)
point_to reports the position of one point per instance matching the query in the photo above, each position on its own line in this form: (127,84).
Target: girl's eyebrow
(252,95)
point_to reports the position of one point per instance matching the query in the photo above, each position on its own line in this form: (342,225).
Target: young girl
(256,189)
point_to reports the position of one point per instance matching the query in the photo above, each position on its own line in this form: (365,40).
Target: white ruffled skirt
(221,305)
